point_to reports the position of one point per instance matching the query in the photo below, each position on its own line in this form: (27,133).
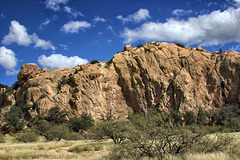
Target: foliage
(232,125)
(189,118)
(52,132)
(180,45)
(2,140)
(56,116)
(84,122)
(201,120)
(26,137)
(176,117)
(220,50)
(73,136)
(139,45)
(94,61)
(14,119)
(114,130)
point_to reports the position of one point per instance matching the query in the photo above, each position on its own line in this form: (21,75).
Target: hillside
(157,74)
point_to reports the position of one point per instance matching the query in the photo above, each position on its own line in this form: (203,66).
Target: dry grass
(52,150)
(61,150)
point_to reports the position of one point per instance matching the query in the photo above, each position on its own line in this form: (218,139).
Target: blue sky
(64,33)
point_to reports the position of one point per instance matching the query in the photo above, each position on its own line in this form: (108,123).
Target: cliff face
(160,74)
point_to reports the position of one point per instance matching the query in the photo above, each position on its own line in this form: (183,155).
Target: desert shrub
(114,130)
(73,136)
(232,125)
(189,118)
(84,122)
(180,45)
(14,120)
(220,50)
(214,143)
(176,117)
(27,137)
(56,116)
(201,120)
(139,45)
(2,140)
(94,61)
(155,141)
(56,133)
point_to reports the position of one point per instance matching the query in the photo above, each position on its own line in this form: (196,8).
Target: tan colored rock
(28,71)
(158,74)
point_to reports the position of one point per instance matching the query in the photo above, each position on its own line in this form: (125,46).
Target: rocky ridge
(157,74)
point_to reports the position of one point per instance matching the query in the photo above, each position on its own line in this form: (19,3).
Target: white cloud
(18,34)
(58,61)
(137,17)
(41,43)
(75,26)
(181,12)
(237,3)
(8,60)
(12,72)
(72,12)
(209,29)
(110,28)
(55,4)
(99,19)
(65,47)
(44,24)
(235,48)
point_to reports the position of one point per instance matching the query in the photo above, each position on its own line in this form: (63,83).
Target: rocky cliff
(160,74)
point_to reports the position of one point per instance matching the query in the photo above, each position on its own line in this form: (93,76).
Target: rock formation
(157,74)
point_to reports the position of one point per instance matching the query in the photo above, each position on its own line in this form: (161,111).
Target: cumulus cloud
(237,2)
(137,17)
(8,60)
(72,12)
(18,34)
(99,19)
(58,61)
(181,12)
(55,4)
(75,26)
(218,27)
(40,43)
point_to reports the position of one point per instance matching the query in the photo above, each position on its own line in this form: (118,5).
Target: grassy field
(87,150)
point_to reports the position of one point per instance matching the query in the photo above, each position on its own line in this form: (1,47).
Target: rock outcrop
(157,74)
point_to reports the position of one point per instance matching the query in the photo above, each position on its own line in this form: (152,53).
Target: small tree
(180,45)
(94,61)
(139,45)
(84,122)
(201,119)
(56,116)
(26,137)
(114,130)
(189,118)
(14,119)
(220,50)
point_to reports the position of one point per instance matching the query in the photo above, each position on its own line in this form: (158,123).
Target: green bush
(84,122)
(139,45)
(180,45)
(80,148)
(26,137)
(56,116)
(114,130)
(2,140)
(73,136)
(94,61)
(14,119)
(189,118)
(56,133)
